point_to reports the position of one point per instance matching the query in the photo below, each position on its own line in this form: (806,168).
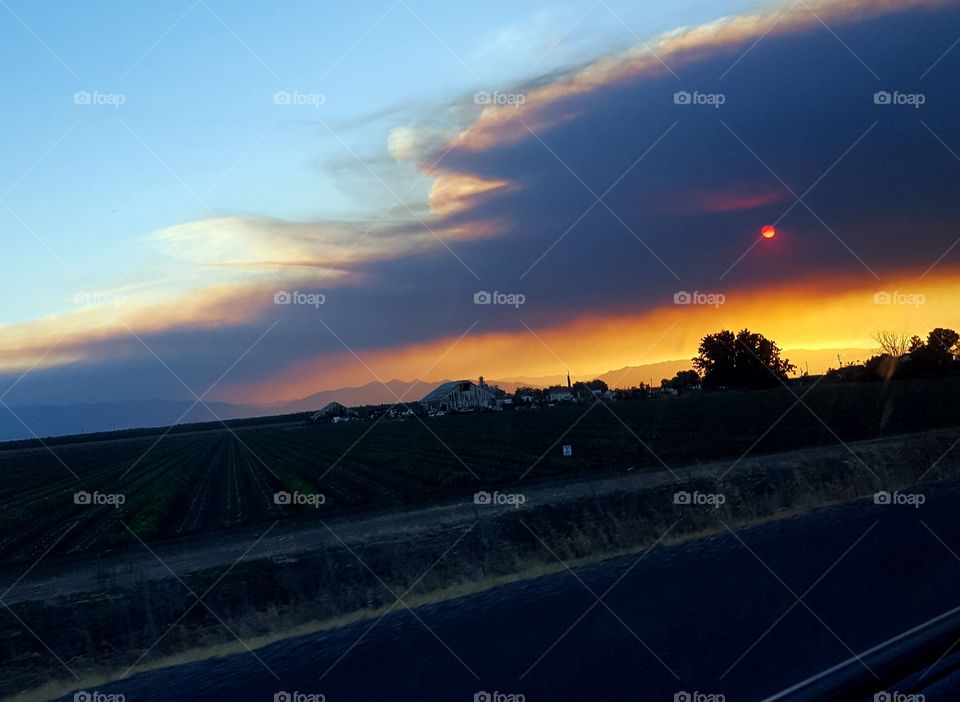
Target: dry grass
(586,533)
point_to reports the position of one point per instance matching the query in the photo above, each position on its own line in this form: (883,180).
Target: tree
(527,391)
(590,388)
(742,360)
(634,393)
(943,341)
(717,358)
(936,356)
(891,343)
(683,381)
(883,366)
(597,384)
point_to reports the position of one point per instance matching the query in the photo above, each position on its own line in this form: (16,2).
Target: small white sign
(567,450)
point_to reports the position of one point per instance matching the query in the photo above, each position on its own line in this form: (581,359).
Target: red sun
(768,232)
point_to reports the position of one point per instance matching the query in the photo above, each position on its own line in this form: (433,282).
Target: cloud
(512,204)
(817,313)
(457,192)
(538,31)
(689,186)
(725,197)
(550,104)
(247,245)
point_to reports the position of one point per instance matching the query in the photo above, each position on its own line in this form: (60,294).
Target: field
(198,482)
(351,569)
(104,614)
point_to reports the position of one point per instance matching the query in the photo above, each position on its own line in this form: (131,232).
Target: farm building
(561,394)
(459,395)
(331,411)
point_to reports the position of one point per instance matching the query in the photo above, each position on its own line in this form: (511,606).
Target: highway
(745,614)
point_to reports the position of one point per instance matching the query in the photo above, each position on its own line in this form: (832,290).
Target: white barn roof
(445,389)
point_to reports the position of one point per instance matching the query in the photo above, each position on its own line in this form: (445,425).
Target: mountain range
(27,421)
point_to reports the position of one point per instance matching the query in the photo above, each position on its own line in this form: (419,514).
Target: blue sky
(182,212)
(198,133)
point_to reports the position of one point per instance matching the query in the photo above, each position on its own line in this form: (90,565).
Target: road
(744,614)
(71,575)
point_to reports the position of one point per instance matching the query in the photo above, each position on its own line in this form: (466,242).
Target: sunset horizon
(385,287)
(515,351)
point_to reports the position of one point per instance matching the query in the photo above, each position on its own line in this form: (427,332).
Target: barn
(460,395)
(331,411)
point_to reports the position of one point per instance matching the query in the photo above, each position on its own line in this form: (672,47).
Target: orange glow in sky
(768,232)
(818,314)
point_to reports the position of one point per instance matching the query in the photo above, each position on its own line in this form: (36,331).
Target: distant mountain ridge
(814,360)
(373,393)
(58,420)
(28,421)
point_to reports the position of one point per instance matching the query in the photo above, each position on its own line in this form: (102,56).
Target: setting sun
(347,312)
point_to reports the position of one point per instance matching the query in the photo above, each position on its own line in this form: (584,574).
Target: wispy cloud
(504,186)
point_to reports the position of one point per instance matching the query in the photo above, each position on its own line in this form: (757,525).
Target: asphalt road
(743,614)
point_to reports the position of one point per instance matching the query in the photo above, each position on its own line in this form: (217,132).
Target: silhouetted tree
(903,358)
(944,341)
(742,360)
(717,359)
(589,389)
(937,356)
(683,381)
(892,343)
(883,366)
(634,393)
(527,391)
(597,384)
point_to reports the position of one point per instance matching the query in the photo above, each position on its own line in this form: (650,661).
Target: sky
(259,201)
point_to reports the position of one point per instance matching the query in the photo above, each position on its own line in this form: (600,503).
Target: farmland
(398,514)
(199,482)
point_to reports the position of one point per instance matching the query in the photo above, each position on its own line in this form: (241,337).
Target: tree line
(904,357)
(748,360)
(741,360)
